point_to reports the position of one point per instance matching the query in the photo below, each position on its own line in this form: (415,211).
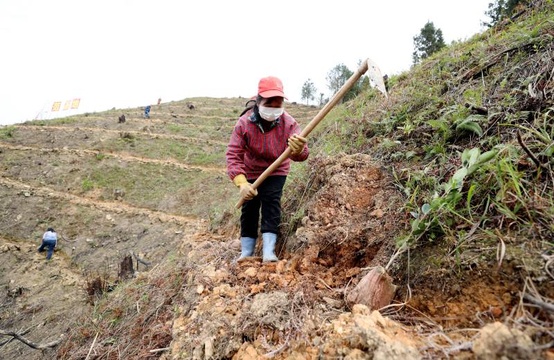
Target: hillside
(446,185)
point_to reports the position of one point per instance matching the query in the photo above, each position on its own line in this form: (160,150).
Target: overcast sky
(130,53)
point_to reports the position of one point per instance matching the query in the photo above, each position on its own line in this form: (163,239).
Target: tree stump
(126,268)
(375,290)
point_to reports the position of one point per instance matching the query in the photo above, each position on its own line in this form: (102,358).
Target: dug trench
(248,309)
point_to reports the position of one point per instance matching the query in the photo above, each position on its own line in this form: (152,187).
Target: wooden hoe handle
(311,125)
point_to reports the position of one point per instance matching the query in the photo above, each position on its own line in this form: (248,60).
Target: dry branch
(546,306)
(2,343)
(91,346)
(29,343)
(139,260)
(528,152)
(477,109)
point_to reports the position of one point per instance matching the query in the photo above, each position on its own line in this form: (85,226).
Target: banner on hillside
(54,109)
(75,103)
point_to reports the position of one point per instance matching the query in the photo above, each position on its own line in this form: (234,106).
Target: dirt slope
(152,195)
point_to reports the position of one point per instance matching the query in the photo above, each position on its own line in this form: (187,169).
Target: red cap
(270,86)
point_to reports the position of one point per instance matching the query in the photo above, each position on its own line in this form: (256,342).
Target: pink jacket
(251,150)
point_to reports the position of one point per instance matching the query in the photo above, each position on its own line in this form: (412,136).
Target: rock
(251,272)
(496,312)
(498,342)
(378,213)
(200,289)
(357,354)
(333,302)
(271,309)
(225,290)
(379,338)
(234,244)
(246,352)
(208,348)
(360,309)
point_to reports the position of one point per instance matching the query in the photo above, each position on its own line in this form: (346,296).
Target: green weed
(7,132)
(87,185)
(436,217)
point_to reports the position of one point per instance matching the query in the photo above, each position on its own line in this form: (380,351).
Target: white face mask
(270,114)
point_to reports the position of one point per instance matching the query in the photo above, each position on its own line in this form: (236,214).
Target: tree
(500,10)
(322,100)
(338,76)
(428,42)
(308,91)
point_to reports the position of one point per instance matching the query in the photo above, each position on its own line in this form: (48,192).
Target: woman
(260,136)
(49,240)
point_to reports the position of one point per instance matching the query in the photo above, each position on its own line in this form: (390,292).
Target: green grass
(7,132)
(183,151)
(155,187)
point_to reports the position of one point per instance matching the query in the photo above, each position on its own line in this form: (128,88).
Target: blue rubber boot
(269,240)
(247,245)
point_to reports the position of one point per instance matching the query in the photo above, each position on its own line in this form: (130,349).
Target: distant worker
(159,101)
(49,240)
(147,112)
(386,82)
(122,119)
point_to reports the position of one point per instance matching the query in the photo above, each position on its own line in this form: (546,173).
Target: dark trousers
(50,244)
(269,199)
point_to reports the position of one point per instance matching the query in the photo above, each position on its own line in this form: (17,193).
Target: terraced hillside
(109,189)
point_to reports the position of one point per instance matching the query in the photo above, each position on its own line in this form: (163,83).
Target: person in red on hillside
(260,136)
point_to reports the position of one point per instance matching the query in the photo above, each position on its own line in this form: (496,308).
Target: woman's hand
(296,144)
(247,192)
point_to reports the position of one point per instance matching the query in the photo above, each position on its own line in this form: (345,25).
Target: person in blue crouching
(49,240)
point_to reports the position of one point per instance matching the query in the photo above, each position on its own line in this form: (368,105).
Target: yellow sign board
(75,103)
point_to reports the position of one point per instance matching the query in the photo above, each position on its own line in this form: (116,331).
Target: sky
(130,53)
